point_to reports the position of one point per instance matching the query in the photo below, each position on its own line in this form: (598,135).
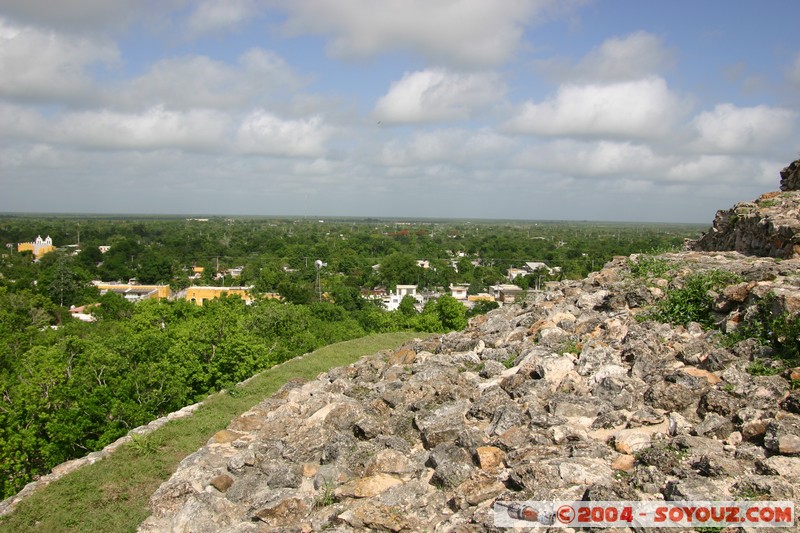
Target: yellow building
(132,291)
(482,297)
(39,247)
(198,295)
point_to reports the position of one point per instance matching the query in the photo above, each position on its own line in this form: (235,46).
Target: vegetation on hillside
(69,387)
(112,495)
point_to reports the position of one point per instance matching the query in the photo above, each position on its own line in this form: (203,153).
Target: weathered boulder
(783,435)
(790,177)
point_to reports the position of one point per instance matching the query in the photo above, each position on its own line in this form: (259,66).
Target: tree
(154,268)
(113,306)
(399,269)
(482,307)
(408,306)
(348,297)
(90,257)
(300,292)
(64,282)
(452,313)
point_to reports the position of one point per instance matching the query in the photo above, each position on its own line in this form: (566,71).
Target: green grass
(112,495)
(648,266)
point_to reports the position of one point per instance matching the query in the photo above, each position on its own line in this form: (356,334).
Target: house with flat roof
(133,291)
(512,273)
(533,266)
(459,292)
(392,300)
(198,295)
(506,293)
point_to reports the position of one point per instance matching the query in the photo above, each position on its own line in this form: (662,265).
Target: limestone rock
(222,482)
(367,487)
(490,458)
(766,227)
(779,465)
(477,489)
(375,517)
(783,436)
(443,425)
(284,513)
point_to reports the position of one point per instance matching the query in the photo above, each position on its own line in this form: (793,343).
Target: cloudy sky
(527,109)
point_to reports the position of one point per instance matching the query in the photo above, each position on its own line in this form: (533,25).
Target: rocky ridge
(768,226)
(574,394)
(564,397)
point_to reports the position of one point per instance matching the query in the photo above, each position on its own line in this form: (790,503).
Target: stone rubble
(573,394)
(566,396)
(768,226)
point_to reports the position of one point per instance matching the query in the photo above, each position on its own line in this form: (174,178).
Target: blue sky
(528,109)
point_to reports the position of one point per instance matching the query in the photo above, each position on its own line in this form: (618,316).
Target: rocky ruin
(790,177)
(768,226)
(575,394)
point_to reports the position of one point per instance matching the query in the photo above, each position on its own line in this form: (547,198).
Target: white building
(533,266)
(459,292)
(512,273)
(393,299)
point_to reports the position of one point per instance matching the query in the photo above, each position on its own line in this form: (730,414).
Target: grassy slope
(112,495)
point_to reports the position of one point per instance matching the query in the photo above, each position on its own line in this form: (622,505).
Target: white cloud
(483,148)
(701,168)
(462,32)
(74,14)
(219,15)
(729,128)
(732,170)
(632,57)
(435,95)
(155,129)
(18,122)
(636,109)
(45,66)
(262,133)
(591,159)
(258,75)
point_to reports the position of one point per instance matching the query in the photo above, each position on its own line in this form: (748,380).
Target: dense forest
(68,387)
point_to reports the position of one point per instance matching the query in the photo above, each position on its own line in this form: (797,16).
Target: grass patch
(571,346)
(778,330)
(647,266)
(325,497)
(759,368)
(112,495)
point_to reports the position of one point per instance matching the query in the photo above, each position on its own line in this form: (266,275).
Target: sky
(623,110)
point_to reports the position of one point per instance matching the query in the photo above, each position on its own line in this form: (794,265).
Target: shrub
(482,307)
(692,302)
(779,331)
